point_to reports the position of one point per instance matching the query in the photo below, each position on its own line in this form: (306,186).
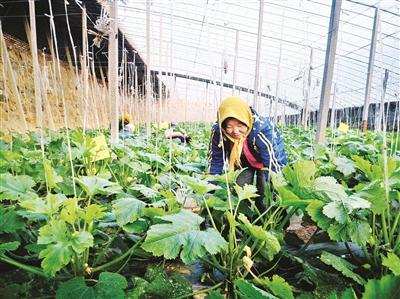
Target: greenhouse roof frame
(201,32)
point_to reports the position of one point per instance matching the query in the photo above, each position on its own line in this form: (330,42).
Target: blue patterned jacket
(265,143)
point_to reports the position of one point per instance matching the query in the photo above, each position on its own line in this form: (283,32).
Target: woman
(246,140)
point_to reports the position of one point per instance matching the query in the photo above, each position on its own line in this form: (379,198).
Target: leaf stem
(25,267)
(120,258)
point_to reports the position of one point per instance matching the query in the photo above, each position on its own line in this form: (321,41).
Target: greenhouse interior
(200,149)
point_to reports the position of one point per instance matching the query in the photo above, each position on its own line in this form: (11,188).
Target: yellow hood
(237,108)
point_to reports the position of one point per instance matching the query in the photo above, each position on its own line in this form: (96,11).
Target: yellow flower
(247,262)
(7,138)
(247,250)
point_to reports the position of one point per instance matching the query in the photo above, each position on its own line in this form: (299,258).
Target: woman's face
(235,128)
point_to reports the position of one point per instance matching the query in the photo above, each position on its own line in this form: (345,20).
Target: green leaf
(200,186)
(47,206)
(94,185)
(52,178)
(70,211)
(55,256)
(17,187)
(289,199)
(315,210)
(328,188)
(271,243)
(9,246)
(392,262)
(146,191)
(182,232)
(110,285)
(336,210)
(91,212)
(344,165)
(387,287)
(342,266)
(364,166)
(54,231)
(215,295)
(375,194)
(359,232)
(10,221)
(278,286)
(81,240)
(246,192)
(127,210)
(153,157)
(246,290)
(339,232)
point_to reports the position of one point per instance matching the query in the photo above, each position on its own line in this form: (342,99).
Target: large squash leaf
(387,287)
(9,246)
(10,221)
(344,165)
(278,286)
(110,285)
(315,210)
(17,187)
(94,185)
(47,206)
(60,245)
(342,266)
(182,232)
(128,210)
(271,243)
(246,290)
(392,261)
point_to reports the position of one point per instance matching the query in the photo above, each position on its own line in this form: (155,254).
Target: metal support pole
(372,51)
(307,95)
(235,61)
(113,70)
(259,39)
(160,91)
(148,74)
(328,70)
(35,61)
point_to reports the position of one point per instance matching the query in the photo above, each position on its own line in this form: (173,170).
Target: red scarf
(250,157)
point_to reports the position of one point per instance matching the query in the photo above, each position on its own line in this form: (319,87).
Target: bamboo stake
(148,69)
(14,80)
(36,78)
(53,29)
(113,71)
(85,69)
(44,83)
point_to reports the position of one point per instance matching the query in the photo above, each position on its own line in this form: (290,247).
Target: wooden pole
(14,80)
(372,51)
(85,69)
(113,70)
(35,61)
(328,70)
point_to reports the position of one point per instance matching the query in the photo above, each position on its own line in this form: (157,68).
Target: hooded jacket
(264,141)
